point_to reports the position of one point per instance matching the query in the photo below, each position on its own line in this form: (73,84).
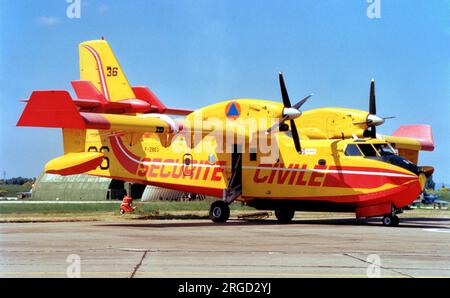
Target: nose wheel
(219,211)
(391,220)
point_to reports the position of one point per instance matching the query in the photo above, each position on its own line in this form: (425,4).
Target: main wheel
(391,220)
(219,211)
(122,211)
(285,215)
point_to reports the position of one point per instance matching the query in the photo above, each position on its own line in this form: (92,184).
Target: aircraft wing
(410,139)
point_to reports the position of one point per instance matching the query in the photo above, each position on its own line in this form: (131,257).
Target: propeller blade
(372,107)
(295,137)
(372,103)
(299,104)
(272,128)
(287,105)
(373,132)
(276,125)
(284,93)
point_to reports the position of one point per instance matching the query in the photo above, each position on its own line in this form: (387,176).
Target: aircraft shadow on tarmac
(416,222)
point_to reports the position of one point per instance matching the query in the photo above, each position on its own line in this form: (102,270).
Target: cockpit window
(367,149)
(384,149)
(352,150)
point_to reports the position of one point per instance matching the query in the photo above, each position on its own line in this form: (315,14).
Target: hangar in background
(154,193)
(49,187)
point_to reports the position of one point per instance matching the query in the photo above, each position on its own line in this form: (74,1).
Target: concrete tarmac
(335,247)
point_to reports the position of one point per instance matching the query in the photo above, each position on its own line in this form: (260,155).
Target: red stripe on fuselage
(121,152)
(401,196)
(366,169)
(362,181)
(334,176)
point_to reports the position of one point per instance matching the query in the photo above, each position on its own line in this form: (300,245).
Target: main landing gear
(219,211)
(285,215)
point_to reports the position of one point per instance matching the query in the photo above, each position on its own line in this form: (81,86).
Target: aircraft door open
(236,168)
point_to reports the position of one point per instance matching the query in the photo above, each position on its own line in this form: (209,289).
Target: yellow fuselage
(323,172)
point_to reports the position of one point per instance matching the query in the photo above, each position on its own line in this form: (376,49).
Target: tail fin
(99,65)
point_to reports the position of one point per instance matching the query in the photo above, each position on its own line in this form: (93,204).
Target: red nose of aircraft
(409,191)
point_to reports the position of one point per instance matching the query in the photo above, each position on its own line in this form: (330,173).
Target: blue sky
(198,52)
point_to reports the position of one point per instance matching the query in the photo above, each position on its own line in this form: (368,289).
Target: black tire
(361,221)
(391,221)
(285,215)
(396,221)
(122,211)
(219,211)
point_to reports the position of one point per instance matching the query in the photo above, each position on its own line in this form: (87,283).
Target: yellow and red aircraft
(242,149)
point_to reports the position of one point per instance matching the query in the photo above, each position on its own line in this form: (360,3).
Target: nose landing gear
(391,220)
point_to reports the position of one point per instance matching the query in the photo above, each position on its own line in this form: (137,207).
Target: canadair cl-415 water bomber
(267,154)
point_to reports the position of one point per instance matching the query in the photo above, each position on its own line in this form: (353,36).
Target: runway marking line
(437,230)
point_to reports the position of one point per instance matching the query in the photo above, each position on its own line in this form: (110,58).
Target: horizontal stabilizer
(74,163)
(51,109)
(87,90)
(128,106)
(57,109)
(89,97)
(144,93)
(175,111)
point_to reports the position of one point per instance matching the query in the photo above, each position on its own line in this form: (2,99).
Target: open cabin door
(234,189)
